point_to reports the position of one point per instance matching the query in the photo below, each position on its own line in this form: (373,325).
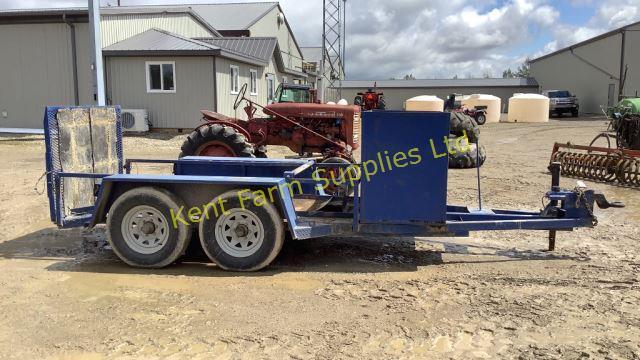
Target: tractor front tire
(216,140)
(461,124)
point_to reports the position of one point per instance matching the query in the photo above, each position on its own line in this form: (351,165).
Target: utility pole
(97,66)
(332,44)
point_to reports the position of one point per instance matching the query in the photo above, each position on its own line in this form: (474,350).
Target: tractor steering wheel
(240,97)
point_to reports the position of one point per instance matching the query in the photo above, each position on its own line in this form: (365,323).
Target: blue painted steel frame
(460,220)
(574,210)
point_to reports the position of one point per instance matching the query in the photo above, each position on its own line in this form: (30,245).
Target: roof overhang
(81,15)
(169,53)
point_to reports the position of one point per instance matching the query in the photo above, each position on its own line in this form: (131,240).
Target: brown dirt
(494,294)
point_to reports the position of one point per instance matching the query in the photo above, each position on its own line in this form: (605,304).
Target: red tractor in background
(294,120)
(371,99)
(478,113)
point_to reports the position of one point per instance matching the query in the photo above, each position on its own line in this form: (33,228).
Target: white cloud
(434,38)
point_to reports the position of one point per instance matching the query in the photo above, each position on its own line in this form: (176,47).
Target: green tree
(523,71)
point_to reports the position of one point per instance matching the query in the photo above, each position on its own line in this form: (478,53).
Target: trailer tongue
(241,208)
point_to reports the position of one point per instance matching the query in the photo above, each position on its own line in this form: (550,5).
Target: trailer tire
(244,236)
(140,230)
(228,142)
(482,119)
(467,157)
(461,124)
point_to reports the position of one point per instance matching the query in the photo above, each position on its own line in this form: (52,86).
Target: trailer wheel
(216,140)
(245,234)
(481,119)
(140,230)
(460,124)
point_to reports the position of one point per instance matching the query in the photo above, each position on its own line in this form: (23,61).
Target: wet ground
(494,294)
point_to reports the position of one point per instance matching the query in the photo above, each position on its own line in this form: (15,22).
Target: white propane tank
(424,103)
(493,104)
(528,108)
(343,102)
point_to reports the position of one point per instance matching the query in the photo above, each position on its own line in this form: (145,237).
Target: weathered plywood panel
(105,139)
(74,127)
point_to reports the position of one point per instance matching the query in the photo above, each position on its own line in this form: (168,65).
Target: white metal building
(396,92)
(598,71)
(170,60)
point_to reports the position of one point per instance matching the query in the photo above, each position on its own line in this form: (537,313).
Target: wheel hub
(239,233)
(242,230)
(145,229)
(148,228)
(215,149)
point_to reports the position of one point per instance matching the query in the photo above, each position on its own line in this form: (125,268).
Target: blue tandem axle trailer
(241,209)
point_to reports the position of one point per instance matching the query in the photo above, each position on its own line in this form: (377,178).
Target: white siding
(223,81)
(268,26)
(194,81)
(35,71)
(567,71)
(118,27)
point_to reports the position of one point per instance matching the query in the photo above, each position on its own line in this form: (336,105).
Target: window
(254,82)
(292,95)
(161,77)
(285,80)
(271,83)
(235,79)
(560,94)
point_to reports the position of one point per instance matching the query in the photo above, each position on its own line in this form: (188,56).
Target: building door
(612,94)
(271,84)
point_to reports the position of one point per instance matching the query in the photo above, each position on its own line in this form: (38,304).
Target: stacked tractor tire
(464,133)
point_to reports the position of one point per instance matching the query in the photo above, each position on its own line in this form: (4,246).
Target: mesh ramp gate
(83,145)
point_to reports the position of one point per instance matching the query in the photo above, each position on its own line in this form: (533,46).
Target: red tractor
(371,99)
(294,121)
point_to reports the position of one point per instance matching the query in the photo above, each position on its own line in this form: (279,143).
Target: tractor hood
(310,110)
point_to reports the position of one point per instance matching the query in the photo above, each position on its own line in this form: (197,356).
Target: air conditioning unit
(134,120)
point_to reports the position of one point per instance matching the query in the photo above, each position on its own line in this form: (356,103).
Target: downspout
(74,58)
(215,84)
(622,70)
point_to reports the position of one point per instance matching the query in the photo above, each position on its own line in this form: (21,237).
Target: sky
(435,38)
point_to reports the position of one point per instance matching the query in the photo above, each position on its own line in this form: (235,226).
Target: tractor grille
(357,127)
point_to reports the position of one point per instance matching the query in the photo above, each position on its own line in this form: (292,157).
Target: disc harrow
(598,164)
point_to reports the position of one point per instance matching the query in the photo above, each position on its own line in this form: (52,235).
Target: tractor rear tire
(382,105)
(461,124)
(467,159)
(227,139)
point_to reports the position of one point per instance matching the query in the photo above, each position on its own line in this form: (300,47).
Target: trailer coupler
(577,203)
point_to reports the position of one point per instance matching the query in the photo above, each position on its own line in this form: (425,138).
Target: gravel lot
(494,294)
